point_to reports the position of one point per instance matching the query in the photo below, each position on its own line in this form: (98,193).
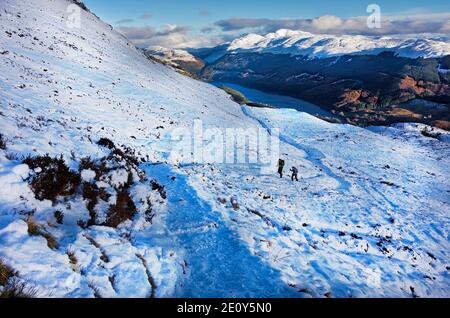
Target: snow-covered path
(313,155)
(362,219)
(218,263)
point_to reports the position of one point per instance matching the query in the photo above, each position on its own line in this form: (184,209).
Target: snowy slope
(61,90)
(298,43)
(369,217)
(171,54)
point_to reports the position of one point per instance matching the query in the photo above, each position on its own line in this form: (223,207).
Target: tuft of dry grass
(35,229)
(12,287)
(17,289)
(96,290)
(73,260)
(6,273)
(104,257)
(150,279)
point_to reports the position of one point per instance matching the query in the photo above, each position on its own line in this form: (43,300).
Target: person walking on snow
(280,167)
(294,171)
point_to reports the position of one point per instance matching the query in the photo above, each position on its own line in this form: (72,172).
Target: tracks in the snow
(219,263)
(313,155)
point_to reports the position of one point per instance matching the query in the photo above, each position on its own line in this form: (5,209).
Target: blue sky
(212,21)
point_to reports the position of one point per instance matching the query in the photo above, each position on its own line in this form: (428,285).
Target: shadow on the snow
(218,263)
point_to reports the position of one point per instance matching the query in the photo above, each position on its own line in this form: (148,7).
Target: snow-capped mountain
(107,213)
(299,43)
(362,77)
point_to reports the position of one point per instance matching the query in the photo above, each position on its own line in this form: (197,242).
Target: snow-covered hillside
(180,60)
(62,89)
(369,217)
(298,43)
(171,54)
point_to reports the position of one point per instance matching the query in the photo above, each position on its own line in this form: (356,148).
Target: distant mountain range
(368,80)
(299,43)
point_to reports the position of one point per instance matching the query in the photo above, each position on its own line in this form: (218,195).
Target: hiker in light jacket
(294,176)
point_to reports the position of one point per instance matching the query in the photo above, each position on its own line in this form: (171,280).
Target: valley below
(365,90)
(257,98)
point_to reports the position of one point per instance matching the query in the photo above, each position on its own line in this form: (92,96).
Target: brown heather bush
(123,210)
(90,193)
(6,273)
(55,179)
(105,142)
(89,164)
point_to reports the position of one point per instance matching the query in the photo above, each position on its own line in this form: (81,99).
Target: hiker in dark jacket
(294,171)
(280,167)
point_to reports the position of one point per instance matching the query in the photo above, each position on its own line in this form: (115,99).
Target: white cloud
(175,36)
(419,23)
(171,36)
(326,22)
